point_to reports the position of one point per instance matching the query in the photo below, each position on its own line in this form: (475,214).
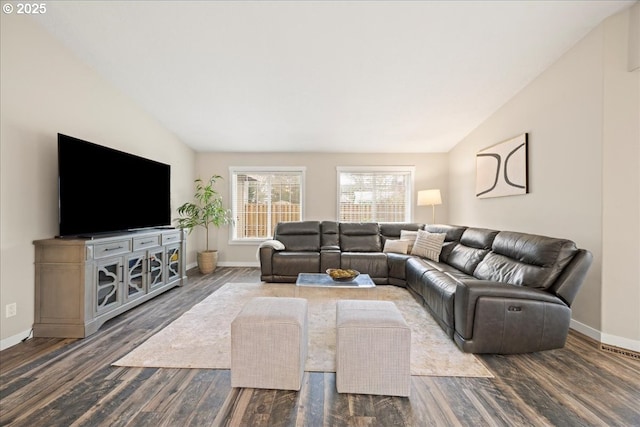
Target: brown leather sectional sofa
(491,291)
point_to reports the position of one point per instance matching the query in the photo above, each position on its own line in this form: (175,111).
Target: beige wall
(582,107)
(621,186)
(321,187)
(46,90)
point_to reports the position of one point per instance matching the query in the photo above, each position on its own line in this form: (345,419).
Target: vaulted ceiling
(330,76)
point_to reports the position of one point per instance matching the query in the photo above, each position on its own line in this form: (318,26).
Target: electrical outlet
(11,309)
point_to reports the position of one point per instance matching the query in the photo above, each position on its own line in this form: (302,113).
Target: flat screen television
(102,190)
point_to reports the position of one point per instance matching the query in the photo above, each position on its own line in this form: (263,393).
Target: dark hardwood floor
(66,382)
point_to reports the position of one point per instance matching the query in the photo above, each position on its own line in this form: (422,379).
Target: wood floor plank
(68,382)
(188,398)
(284,409)
(258,411)
(118,401)
(311,401)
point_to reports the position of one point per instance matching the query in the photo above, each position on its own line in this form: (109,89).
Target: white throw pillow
(397,246)
(428,245)
(275,244)
(410,236)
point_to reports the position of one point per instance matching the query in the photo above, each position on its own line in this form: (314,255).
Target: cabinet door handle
(147,241)
(122,274)
(113,249)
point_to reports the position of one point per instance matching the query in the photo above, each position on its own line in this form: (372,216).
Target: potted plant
(206,210)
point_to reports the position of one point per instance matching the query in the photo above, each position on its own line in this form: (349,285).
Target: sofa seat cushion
(420,265)
(438,292)
(397,264)
(453,272)
(414,269)
(374,264)
(525,259)
(287,263)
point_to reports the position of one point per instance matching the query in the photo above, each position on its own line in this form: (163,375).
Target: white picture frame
(502,169)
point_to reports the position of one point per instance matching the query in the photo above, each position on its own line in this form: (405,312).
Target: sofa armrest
(265,254)
(468,292)
(572,277)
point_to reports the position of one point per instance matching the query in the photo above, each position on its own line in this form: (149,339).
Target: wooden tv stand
(80,283)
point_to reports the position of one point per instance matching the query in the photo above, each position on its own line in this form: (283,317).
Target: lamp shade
(429,197)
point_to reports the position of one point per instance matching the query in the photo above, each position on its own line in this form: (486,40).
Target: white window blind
(263,197)
(375,194)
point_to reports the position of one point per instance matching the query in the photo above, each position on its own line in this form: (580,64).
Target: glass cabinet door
(156,276)
(173,263)
(108,285)
(135,276)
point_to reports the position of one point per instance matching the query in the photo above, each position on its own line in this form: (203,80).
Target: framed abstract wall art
(501,170)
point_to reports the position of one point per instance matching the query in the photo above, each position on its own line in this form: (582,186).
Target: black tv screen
(103,190)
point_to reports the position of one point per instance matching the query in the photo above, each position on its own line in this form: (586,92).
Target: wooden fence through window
(252,221)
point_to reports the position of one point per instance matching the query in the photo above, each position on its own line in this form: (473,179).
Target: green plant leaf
(206,210)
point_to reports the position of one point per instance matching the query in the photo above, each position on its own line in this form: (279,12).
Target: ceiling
(322,76)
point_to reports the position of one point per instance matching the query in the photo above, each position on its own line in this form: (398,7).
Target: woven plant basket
(207,261)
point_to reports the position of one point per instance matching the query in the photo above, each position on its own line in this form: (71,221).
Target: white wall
(46,90)
(584,105)
(321,186)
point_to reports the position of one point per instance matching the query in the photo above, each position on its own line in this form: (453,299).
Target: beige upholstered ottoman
(269,343)
(373,348)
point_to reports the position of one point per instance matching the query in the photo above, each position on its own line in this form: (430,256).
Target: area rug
(200,338)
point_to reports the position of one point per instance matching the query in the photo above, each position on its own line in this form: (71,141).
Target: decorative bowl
(342,275)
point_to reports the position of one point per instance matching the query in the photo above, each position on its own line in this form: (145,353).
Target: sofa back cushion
(474,245)
(453,234)
(360,237)
(329,235)
(525,259)
(392,230)
(299,236)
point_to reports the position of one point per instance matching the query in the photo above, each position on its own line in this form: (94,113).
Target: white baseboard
(239,264)
(229,264)
(586,330)
(621,342)
(603,338)
(16,339)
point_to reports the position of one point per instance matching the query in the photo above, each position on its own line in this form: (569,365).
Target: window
(263,197)
(375,194)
